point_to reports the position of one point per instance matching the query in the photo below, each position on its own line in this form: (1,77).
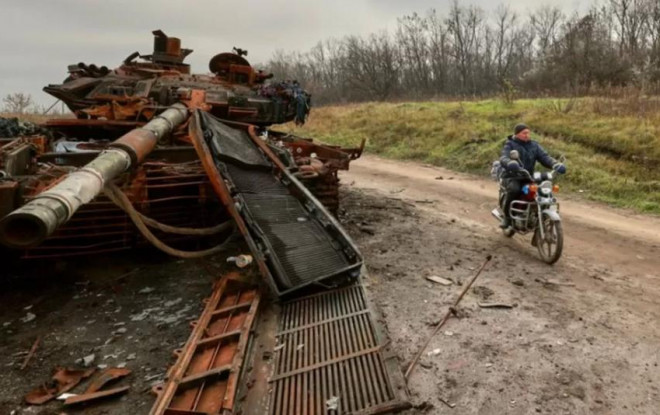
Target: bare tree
(411,37)
(17,102)
(466,52)
(464,26)
(505,31)
(546,22)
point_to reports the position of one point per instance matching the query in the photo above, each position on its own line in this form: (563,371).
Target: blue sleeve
(543,157)
(504,156)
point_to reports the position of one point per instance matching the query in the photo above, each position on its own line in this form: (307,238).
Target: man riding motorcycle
(529,152)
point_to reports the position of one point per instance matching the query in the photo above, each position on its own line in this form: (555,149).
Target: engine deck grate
(328,347)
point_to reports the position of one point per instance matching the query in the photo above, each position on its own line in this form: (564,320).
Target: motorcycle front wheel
(551,246)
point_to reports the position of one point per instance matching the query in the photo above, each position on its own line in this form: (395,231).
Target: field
(612,146)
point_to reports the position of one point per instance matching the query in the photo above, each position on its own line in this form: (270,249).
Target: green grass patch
(612,157)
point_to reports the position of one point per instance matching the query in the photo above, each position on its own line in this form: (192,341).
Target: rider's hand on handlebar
(559,168)
(513,166)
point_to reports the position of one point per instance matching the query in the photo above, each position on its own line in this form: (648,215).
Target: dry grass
(613,152)
(35,118)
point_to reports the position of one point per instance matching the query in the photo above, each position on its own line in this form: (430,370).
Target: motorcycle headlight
(546,188)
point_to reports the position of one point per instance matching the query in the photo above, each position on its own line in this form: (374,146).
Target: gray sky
(38,39)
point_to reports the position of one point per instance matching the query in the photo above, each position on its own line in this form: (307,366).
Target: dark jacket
(530,152)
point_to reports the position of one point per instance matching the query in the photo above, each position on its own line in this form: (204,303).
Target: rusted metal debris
(33,349)
(108,375)
(331,351)
(62,381)
(442,322)
(88,397)
(279,190)
(205,376)
(169,185)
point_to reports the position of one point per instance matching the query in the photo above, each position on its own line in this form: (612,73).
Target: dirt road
(590,346)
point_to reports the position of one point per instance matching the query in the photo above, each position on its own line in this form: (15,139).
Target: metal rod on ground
(445,318)
(33,349)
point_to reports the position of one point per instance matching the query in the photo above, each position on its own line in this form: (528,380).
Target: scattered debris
(103,378)
(33,349)
(556,282)
(483,292)
(131,356)
(446,317)
(426,365)
(495,305)
(87,360)
(368,230)
(62,381)
(433,352)
(439,280)
(173,302)
(147,290)
(97,395)
(332,404)
(65,396)
(518,282)
(241,261)
(451,405)
(28,317)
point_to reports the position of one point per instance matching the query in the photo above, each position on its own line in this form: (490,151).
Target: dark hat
(518,128)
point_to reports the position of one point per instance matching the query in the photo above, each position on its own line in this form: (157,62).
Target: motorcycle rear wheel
(550,248)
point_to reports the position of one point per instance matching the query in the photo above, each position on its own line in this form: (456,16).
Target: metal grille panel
(300,244)
(205,376)
(328,346)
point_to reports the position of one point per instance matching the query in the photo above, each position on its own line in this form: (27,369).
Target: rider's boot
(506,222)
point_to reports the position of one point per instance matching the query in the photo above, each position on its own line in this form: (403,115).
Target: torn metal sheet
(87,397)
(326,354)
(108,375)
(205,377)
(62,381)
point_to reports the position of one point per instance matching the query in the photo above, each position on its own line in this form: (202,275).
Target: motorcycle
(536,211)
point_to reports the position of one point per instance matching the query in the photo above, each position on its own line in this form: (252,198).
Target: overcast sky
(38,39)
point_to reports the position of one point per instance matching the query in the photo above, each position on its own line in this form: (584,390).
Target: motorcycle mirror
(513,155)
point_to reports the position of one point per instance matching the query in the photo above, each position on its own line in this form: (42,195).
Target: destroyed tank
(137,119)
(187,164)
(144,83)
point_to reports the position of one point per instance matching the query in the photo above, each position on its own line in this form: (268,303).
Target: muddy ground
(590,345)
(127,310)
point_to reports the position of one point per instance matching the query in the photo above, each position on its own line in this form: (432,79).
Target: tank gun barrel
(30,224)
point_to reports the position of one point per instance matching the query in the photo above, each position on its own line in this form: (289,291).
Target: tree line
(469,52)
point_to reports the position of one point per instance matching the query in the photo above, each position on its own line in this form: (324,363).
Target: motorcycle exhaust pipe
(497,214)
